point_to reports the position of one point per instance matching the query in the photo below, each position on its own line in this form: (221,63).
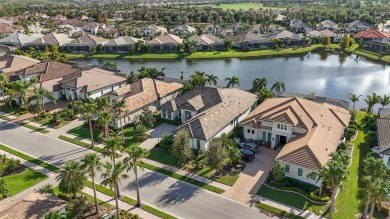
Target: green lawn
(12,111)
(84,132)
(38,129)
(291,199)
(165,157)
(138,56)
(278,211)
(24,180)
(373,55)
(349,201)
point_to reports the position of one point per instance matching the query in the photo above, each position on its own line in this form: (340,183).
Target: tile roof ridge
(307,113)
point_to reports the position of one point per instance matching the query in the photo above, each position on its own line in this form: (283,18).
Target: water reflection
(325,74)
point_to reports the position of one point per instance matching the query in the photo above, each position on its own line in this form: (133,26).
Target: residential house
(358,26)
(85,43)
(51,39)
(258,29)
(328,25)
(208,112)
(383,124)
(274,28)
(385,27)
(371,34)
(17,39)
(206,42)
(280,18)
(120,44)
(10,65)
(6,28)
(234,27)
(90,83)
(183,29)
(93,27)
(382,45)
(212,29)
(165,43)
(6,50)
(49,74)
(153,30)
(334,37)
(249,40)
(107,32)
(288,38)
(299,26)
(143,94)
(307,132)
(59,18)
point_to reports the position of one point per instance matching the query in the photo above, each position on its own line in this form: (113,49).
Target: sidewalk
(64,129)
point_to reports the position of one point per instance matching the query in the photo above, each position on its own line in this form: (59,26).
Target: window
(285,127)
(300,171)
(287,168)
(313,177)
(248,131)
(388,162)
(278,126)
(179,113)
(198,144)
(163,114)
(253,131)
(169,115)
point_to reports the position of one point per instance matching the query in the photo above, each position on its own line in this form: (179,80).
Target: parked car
(250,146)
(247,155)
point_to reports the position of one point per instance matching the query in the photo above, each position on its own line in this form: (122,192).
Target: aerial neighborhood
(206,109)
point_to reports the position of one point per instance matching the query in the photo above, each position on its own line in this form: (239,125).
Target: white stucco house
(307,132)
(143,94)
(208,112)
(90,83)
(383,123)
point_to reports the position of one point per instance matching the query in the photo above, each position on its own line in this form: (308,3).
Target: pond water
(326,74)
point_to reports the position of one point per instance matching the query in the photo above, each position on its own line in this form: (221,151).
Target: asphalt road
(173,196)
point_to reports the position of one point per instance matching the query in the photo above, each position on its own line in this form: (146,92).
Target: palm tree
(40,95)
(4,191)
(384,101)
(72,178)
(278,87)
(90,163)
(112,175)
(22,87)
(104,119)
(371,101)
(211,79)
(161,72)
(119,106)
(3,81)
(354,98)
(379,190)
(87,112)
(110,65)
(13,165)
(11,93)
(232,81)
(134,161)
(102,104)
(259,84)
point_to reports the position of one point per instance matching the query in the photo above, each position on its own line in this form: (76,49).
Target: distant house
(274,28)
(91,83)
(358,26)
(183,29)
(385,27)
(382,45)
(206,42)
(307,132)
(6,28)
(249,40)
(372,35)
(143,94)
(234,27)
(212,29)
(10,65)
(299,26)
(334,37)
(59,18)
(85,43)
(383,123)
(153,30)
(51,39)
(288,38)
(93,27)
(17,39)
(208,112)
(120,44)
(328,25)
(280,18)
(165,43)
(257,29)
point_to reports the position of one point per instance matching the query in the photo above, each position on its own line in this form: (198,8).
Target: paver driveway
(254,174)
(156,134)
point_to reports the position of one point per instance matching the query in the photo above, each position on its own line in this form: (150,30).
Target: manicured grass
(165,157)
(291,199)
(277,211)
(84,132)
(79,143)
(368,54)
(24,180)
(41,130)
(350,200)
(30,159)
(46,122)
(4,118)
(131,201)
(183,178)
(12,111)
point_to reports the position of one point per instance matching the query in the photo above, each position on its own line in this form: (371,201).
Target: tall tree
(3,81)
(371,101)
(180,147)
(90,163)
(259,84)
(112,175)
(354,98)
(384,101)
(216,154)
(232,81)
(325,41)
(102,104)
(104,119)
(72,178)
(22,88)
(39,96)
(211,79)
(87,111)
(110,65)
(119,107)
(278,87)
(133,161)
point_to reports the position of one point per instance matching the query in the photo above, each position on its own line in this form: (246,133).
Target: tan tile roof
(50,70)
(52,39)
(146,91)
(166,39)
(91,79)
(33,206)
(323,122)
(15,63)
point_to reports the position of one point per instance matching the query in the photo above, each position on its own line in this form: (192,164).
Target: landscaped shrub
(349,133)
(166,139)
(352,126)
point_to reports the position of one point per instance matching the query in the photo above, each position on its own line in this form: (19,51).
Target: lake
(326,74)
